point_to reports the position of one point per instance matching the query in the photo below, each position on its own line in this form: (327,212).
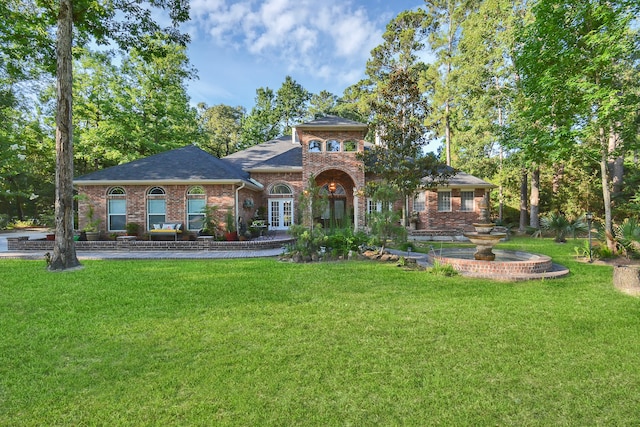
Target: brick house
(175,185)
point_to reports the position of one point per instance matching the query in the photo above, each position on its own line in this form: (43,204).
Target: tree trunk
(524,181)
(534,200)
(558,176)
(447,133)
(606,196)
(616,163)
(64,251)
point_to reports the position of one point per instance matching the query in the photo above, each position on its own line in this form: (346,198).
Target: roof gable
(277,153)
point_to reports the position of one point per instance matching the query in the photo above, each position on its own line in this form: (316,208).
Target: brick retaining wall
(23,244)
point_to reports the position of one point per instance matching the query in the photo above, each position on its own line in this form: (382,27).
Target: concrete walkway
(96,255)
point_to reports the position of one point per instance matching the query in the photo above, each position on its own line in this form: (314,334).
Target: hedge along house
(174,186)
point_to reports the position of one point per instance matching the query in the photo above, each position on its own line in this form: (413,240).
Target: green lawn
(257,342)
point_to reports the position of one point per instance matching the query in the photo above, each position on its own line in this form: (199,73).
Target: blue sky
(239,46)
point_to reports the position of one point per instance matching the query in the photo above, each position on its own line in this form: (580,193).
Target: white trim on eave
(464,186)
(274,169)
(251,184)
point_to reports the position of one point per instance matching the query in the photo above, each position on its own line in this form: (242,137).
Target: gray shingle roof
(277,153)
(333,122)
(463,179)
(181,164)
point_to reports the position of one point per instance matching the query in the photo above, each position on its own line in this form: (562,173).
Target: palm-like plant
(627,235)
(556,223)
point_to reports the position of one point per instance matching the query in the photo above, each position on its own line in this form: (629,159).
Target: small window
(350,145)
(315,146)
(196,202)
(333,145)
(419,202)
(338,190)
(378,206)
(117,209)
(444,201)
(466,201)
(281,189)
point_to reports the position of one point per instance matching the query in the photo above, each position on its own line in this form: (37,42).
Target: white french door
(280,214)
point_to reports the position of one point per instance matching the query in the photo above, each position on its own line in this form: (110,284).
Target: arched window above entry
(338,191)
(281,189)
(315,146)
(333,145)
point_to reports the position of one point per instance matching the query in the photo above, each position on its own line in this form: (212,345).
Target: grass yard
(257,342)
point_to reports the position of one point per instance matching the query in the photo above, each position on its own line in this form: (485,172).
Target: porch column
(356,220)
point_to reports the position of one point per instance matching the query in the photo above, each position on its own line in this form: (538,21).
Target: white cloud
(328,39)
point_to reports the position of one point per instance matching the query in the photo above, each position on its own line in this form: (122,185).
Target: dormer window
(333,145)
(315,146)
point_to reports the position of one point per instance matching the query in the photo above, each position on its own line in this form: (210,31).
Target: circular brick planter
(508,265)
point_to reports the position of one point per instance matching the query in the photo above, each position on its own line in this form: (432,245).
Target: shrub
(4,221)
(440,269)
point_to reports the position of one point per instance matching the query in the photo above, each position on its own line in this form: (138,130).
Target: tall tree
(291,104)
(222,126)
(124,22)
(262,122)
(575,61)
(322,103)
(443,21)
(399,106)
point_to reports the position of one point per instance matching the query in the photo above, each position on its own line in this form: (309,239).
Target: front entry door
(280,214)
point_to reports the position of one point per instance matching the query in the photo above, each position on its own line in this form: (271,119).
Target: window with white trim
(156,207)
(196,202)
(444,201)
(419,201)
(333,145)
(376,206)
(280,189)
(315,146)
(117,209)
(466,201)
(350,145)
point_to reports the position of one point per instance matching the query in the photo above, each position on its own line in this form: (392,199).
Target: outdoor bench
(166,229)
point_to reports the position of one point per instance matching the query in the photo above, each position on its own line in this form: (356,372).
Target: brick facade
(341,167)
(222,196)
(455,220)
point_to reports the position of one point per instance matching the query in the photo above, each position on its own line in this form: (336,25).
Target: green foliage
(222,126)
(4,221)
(308,240)
(558,224)
(445,270)
(345,240)
(230,222)
(133,228)
(627,235)
(399,106)
(210,222)
(291,104)
(312,202)
(385,224)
